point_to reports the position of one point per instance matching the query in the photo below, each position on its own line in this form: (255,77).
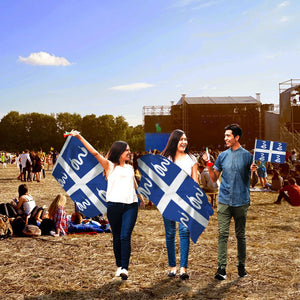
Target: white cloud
(132,86)
(195,4)
(208,87)
(284,4)
(274,55)
(44,59)
(206,4)
(183,3)
(284,19)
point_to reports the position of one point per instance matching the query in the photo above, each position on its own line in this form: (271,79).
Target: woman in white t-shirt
(25,203)
(177,151)
(122,202)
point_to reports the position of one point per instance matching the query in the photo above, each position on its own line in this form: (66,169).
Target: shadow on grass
(215,289)
(283,227)
(118,289)
(8,179)
(173,288)
(266,204)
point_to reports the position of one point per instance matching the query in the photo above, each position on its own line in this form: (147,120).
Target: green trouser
(239,214)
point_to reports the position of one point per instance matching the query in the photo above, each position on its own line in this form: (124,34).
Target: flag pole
(251,176)
(254,150)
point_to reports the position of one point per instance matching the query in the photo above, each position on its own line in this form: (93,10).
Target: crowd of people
(33,164)
(226,173)
(23,211)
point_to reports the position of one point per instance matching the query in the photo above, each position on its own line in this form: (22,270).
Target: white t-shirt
(120,184)
(28,205)
(23,159)
(186,163)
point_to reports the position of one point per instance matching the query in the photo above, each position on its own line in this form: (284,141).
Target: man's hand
(75,133)
(205,157)
(253,167)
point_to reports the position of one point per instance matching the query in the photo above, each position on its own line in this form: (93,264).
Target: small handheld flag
(270,151)
(208,163)
(176,195)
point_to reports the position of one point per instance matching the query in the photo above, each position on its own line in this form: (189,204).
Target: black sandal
(172,274)
(184,276)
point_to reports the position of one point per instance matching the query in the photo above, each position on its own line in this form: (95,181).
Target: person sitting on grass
(78,223)
(290,192)
(37,215)
(207,185)
(277,182)
(58,215)
(25,203)
(297,174)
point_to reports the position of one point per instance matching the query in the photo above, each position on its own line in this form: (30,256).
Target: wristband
(209,164)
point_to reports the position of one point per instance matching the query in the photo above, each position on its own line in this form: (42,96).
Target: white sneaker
(124,274)
(118,273)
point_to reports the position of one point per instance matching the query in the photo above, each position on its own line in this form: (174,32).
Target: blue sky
(114,57)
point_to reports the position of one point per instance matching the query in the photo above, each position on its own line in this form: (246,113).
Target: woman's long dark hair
(172,144)
(115,151)
(23,189)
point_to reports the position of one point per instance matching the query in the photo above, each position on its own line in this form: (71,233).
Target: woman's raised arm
(102,160)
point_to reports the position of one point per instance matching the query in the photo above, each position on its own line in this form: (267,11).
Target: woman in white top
(26,202)
(177,151)
(122,202)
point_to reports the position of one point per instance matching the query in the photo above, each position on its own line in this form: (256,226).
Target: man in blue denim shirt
(236,165)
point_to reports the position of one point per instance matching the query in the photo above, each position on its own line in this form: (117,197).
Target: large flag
(81,176)
(270,151)
(177,196)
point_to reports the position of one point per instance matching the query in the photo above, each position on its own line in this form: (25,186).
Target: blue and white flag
(177,196)
(270,151)
(81,176)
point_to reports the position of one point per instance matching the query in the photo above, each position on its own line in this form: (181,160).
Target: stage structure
(157,126)
(289,97)
(204,118)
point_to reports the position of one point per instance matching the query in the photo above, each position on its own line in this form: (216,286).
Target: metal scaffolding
(161,110)
(283,86)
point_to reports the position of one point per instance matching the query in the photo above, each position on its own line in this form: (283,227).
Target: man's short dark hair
(235,128)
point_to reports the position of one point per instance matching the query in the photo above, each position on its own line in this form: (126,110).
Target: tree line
(34,130)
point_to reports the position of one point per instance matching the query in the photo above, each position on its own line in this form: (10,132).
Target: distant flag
(177,196)
(158,128)
(270,151)
(81,176)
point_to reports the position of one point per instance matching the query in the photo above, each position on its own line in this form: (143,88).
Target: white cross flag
(176,195)
(81,176)
(270,151)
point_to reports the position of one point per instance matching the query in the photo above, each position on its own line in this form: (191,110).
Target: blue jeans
(122,218)
(184,234)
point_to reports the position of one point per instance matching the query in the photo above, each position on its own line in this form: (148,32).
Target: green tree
(34,130)
(136,138)
(120,129)
(40,131)
(106,132)
(90,128)
(66,122)
(11,132)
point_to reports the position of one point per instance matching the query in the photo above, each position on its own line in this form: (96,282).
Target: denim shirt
(235,178)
